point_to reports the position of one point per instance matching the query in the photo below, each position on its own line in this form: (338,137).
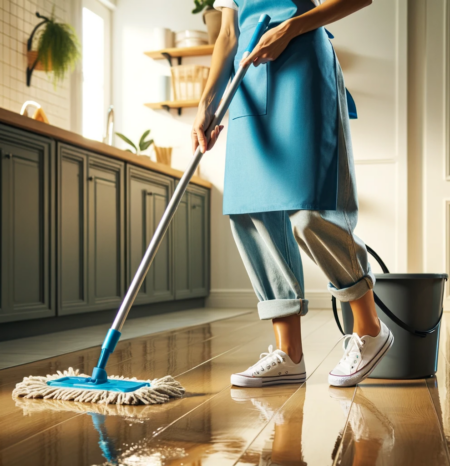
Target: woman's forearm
(221,65)
(219,74)
(326,13)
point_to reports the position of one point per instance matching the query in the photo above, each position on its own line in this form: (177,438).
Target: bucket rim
(410,276)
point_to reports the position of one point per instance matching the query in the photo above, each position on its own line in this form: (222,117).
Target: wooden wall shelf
(169,104)
(179,52)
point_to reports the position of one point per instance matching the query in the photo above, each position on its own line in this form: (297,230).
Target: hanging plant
(58,47)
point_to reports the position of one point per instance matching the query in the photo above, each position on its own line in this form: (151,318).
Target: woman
(289,178)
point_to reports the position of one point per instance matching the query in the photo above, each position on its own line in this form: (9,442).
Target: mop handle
(183,183)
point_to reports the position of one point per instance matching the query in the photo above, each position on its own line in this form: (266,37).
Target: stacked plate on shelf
(190,38)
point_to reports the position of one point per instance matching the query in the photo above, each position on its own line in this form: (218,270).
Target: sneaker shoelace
(267,360)
(352,353)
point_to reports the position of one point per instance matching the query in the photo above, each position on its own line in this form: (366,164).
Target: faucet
(24,109)
(108,139)
(38,115)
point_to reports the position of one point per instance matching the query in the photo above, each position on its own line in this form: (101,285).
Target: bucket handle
(386,310)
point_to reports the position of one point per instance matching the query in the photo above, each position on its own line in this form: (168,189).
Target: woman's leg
(272,259)
(328,239)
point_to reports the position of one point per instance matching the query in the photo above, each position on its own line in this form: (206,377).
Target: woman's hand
(201,122)
(270,46)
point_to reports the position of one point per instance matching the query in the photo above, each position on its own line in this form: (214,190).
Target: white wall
(371,46)
(430,138)
(17,20)
(133,76)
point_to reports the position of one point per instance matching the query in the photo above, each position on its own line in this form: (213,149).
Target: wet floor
(379,422)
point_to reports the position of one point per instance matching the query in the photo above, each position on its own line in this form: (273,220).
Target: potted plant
(141,146)
(211,17)
(58,48)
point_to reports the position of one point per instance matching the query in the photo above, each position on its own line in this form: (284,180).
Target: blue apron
(282,143)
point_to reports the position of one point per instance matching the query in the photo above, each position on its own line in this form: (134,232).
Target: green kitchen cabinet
(91,249)
(106,245)
(72,182)
(192,253)
(27,226)
(148,194)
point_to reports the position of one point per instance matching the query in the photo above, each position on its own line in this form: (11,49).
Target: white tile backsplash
(17,20)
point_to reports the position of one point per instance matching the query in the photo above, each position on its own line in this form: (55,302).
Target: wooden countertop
(26,123)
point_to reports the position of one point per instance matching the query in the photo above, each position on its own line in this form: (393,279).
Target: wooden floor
(379,422)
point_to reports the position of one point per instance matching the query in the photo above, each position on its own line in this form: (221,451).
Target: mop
(70,385)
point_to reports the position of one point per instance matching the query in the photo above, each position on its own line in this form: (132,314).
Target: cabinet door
(72,229)
(181,253)
(199,241)
(192,244)
(105,233)
(27,226)
(147,197)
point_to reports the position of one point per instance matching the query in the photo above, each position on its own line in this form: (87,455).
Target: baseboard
(247,299)
(31,328)
(232,299)
(320,300)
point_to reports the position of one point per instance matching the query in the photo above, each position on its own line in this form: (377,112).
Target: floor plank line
(314,322)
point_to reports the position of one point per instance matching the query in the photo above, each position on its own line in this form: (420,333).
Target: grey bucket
(411,305)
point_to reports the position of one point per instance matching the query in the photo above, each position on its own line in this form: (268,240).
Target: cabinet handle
(195,206)
(149,193)
(91,178)
(8,156)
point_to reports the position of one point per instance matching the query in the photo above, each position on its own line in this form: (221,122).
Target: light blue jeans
(269,242)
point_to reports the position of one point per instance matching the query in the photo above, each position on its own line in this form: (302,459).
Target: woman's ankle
(295,354)
(371,328)
(288,336)
(365,319)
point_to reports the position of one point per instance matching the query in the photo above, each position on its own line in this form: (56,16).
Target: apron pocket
(251,97)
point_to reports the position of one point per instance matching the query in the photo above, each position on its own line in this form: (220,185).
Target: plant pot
(213,19)
(32,57)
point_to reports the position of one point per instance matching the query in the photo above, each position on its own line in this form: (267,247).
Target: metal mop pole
(114,333)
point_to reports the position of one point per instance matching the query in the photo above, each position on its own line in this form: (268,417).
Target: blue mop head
(99,388)
(87,383)
(72,386)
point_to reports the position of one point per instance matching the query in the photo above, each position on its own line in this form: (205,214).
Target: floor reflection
(284,447)
(106,444)
(368,433)
(367,437)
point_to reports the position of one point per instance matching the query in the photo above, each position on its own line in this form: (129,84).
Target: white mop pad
(160,391)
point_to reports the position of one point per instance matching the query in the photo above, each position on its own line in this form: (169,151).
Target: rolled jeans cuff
(355,291)
(275,308)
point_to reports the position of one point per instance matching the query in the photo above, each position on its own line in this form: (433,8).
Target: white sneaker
(274,367)
(361,356)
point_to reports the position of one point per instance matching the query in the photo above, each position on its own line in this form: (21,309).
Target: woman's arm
(274,41)
(221,65)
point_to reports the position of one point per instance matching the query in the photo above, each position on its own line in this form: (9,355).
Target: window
(96,64)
